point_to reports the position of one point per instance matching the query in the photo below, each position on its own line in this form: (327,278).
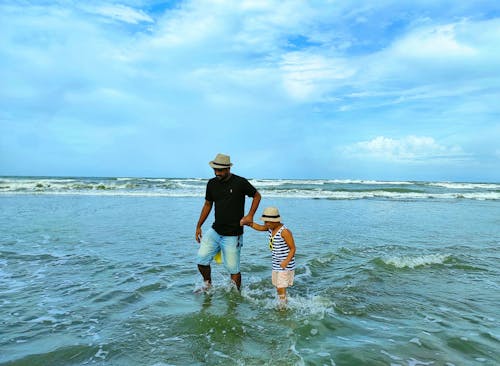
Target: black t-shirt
(229,198)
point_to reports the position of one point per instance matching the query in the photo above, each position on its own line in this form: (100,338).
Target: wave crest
(278,188)
(414,262)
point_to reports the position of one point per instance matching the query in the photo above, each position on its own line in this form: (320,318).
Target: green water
(109,280)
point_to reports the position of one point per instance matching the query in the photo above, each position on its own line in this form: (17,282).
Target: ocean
(101,271)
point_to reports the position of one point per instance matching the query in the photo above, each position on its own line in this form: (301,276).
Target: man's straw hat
(221,161)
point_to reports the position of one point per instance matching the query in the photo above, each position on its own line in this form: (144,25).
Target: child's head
(271,217)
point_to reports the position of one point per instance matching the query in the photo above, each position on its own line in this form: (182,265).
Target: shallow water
(107,279)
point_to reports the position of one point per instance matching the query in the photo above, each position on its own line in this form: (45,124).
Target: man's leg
(231,248)
(209,246)
(206,272)
(236,278)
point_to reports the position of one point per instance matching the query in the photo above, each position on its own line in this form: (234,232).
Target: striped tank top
(280,251)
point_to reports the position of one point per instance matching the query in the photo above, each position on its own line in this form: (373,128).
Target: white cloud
(406,149)
(122,13)
(165,70)
(307,75)
(450,50)
(433,42)
(439,66)
(187,26)
(233,86)
(232,28)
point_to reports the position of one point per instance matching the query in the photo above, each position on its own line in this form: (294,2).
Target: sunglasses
(271,242)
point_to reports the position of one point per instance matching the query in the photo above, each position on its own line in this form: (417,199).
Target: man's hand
(198,234)
(246,220)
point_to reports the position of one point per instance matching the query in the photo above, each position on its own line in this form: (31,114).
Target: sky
(338,89)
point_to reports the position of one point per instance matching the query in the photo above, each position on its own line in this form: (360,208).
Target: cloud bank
(127,87)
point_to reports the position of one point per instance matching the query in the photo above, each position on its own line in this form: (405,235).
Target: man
(228,192)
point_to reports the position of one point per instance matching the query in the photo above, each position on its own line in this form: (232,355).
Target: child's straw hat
(271,214)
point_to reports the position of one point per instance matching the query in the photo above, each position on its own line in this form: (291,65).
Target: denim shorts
(211,243)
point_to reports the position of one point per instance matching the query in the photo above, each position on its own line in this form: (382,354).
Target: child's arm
(257,227)
(287,235)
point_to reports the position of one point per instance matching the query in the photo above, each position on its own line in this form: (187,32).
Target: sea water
(101,271)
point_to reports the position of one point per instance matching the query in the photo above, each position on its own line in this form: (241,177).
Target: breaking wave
(278,188)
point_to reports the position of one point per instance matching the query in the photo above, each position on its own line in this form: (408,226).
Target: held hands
(246,220)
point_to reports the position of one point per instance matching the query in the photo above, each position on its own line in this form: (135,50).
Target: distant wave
(415,261)
(452,185)
(280,188)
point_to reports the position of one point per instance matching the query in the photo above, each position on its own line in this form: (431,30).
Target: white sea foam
(353,195)
(273,188)
(455,185)
(101,353)
(392,357)
(300,194)
(370,182)
(416,341)
(124,178)
(44,319)
(260,183)
(311,305)
(483,196)
(415,362)
(319,182)
(417,261)
(117,193)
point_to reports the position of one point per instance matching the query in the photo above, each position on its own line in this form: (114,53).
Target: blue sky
(290,89)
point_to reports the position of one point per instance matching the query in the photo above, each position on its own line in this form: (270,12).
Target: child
(282,245)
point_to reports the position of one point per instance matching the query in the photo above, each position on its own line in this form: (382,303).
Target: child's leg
(281,293)
(280,281)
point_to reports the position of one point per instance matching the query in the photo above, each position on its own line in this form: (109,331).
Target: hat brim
(271,219)
(215,165)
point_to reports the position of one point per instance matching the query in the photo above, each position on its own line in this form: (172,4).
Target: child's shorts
(282,279)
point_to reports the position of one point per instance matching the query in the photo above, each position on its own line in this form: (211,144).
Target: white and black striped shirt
(280,251)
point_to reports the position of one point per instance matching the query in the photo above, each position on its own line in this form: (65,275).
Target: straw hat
(271,214)
(221,161)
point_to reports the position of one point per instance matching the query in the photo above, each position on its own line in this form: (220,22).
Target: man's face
(221,174)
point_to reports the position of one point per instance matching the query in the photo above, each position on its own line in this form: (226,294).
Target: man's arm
(255,204)
(205,211)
